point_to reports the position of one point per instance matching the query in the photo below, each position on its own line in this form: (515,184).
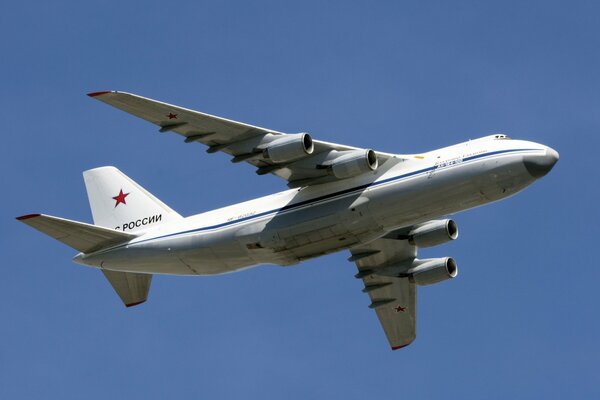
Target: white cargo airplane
(380,206)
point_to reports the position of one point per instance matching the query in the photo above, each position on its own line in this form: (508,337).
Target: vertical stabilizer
(119,203)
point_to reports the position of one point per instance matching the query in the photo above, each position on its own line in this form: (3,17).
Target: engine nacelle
(433,270)
(354,163)
(433,233)
(289,148)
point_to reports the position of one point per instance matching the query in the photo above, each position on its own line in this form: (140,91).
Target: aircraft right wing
(392,298)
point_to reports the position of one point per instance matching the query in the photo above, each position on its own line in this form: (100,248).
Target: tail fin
(119,203)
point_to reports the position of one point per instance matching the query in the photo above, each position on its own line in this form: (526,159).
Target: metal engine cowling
(354,163)
(433,233)
(289,148)
(433,270)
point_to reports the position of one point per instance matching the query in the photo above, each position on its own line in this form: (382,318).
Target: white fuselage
(290,226)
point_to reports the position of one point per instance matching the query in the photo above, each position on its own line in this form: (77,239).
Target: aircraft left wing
(392,298)
(294,157)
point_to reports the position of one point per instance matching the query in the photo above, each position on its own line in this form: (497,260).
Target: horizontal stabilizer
(83,237)
(131,287)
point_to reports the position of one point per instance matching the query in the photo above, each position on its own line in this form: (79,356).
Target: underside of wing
(392,297)
(296,158)
(391,273)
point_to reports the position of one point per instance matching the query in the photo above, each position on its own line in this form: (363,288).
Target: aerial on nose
(540,165)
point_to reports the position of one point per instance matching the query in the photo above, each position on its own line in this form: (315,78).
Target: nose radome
(550,152)
(540,165)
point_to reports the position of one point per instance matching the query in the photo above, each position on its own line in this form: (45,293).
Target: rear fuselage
(298,224)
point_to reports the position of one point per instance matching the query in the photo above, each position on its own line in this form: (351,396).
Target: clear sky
(520,320)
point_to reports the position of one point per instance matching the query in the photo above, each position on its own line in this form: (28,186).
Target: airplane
(380,206)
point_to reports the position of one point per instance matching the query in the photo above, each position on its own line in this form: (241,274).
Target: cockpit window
(501,137)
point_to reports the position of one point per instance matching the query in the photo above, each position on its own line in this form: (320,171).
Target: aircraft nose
(540,165)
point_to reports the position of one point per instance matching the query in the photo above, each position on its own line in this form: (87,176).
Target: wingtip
(135,304)
(95,94)
(23,217)
(399,347)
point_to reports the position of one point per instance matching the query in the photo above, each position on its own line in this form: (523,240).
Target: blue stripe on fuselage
(330,196)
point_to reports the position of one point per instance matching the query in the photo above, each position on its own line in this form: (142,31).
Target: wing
(392,298)
(244,142)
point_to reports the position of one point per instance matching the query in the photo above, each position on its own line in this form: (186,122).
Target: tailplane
(132,288)
(119,203)
(121,209)
(83,237)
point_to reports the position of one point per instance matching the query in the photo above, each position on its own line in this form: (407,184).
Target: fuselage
(297,224)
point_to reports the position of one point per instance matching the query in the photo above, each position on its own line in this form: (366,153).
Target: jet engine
(289,148)
(354,163)
(433,270)
(433,233)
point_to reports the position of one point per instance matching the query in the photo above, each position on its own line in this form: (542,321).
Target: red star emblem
(172,116)
(399,309)
(120,198)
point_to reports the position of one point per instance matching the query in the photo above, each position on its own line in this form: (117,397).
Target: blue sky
(520,321)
